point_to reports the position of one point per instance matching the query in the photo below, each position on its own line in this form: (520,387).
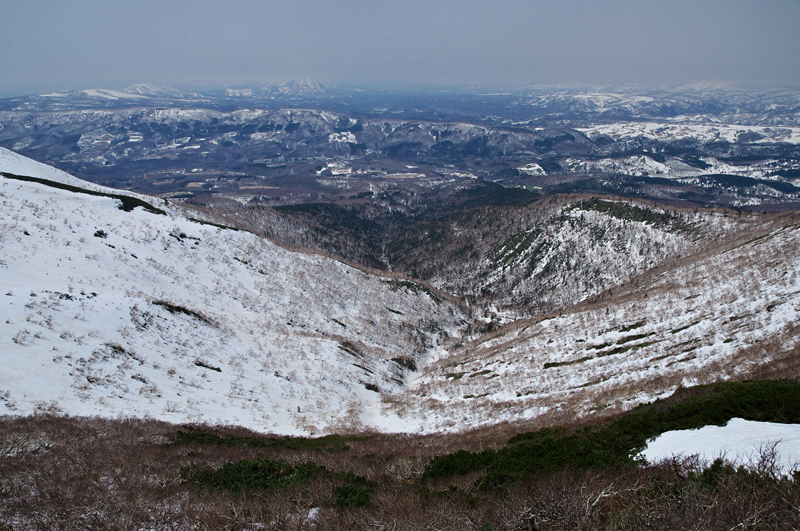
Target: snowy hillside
(115,304)
(137,313)
(728,312)
(555,252)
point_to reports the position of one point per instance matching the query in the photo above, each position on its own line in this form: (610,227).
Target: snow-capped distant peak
(155,91)
(110,94)
(307,88)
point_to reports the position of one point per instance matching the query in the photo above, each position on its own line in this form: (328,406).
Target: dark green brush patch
(406,363)
(633,326)
(626,348)
(600,346)
(350,348)
(682,360)
(634,337)
(414,287)
(128,203)
(365,370)
(355,492)
(613,351)
(176,309)
(589,384)
(475,396)
(616,444)
(206,366)
(267,475)
(552,364)
(690,342)
(263,474)
(621,346)
(681,329)
(225,227)
(625,211)
(328,443)
(663,356)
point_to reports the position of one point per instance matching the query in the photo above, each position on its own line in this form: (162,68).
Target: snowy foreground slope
(145,312)
(138,313)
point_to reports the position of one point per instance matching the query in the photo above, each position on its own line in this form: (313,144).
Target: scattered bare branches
(71,473)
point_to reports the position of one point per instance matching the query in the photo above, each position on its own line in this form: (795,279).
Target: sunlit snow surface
(106,312)
(296,343)
(740,441)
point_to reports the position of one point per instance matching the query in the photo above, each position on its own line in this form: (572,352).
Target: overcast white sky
(57,45)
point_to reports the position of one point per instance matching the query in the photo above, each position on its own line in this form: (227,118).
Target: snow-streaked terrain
(116,313)
(715,132)
(676,168)
(133,313)
(726,312)
(740,442)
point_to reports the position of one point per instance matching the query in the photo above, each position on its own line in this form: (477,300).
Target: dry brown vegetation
(90,473)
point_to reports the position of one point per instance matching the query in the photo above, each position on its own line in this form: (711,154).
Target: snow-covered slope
(143,311)
(728,312)
(15,163)
(110,312)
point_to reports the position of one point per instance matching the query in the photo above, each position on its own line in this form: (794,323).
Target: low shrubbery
(264,475)
(616,444)
(82,473)
(203,436)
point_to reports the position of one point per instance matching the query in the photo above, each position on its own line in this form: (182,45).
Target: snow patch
(739,442)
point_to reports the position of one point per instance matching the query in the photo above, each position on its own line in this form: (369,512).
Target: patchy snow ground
(674,167)
(720,314)
(107,312)
(114,313)
(740,442)
(703,132)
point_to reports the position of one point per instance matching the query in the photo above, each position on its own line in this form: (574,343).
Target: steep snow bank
(107,312)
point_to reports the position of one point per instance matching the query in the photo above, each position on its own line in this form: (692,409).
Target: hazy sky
(60,44)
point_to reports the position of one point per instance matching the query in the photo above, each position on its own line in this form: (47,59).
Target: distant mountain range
(304,141)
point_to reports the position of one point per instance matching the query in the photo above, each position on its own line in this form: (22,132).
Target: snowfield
(739,442)
(139,313)
(106,312)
